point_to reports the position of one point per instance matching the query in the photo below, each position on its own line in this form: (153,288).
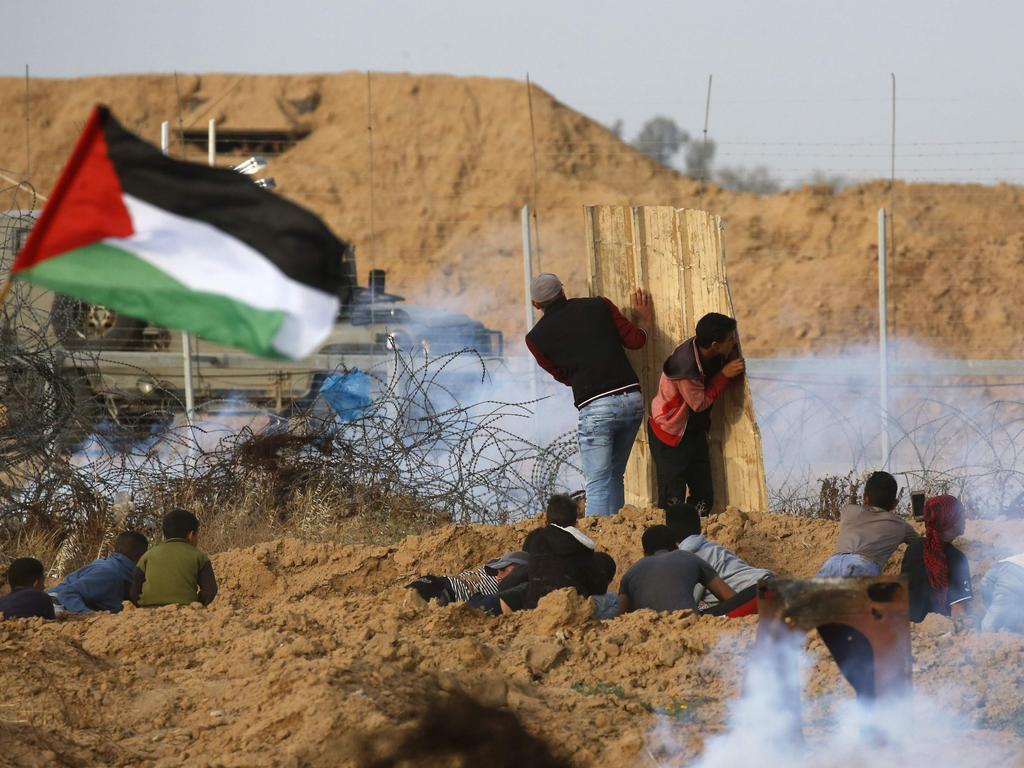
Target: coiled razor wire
(64,459)
(422,443)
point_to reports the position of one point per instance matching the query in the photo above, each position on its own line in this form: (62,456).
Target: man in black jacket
(561,556)
(582,343)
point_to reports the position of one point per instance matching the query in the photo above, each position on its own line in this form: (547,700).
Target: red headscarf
(942,514)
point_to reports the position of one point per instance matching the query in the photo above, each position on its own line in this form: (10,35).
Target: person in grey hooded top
(1002,590)
(684,520)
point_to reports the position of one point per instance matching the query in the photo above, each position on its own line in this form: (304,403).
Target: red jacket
(682,390)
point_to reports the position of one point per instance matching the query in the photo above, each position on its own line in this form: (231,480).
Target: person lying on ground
(684,522)
(26,599)
(482,581)
(176,571)
(940,578)
(1002,591)
(869,533)
(510,597)
(104,584)
(561,556)
(692,378)
(664,579)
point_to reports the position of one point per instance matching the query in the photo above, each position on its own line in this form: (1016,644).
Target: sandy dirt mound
(453,163)
(315,654)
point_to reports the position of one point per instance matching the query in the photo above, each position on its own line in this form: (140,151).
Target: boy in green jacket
(175,572)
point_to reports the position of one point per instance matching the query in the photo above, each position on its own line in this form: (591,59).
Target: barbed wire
(814,433)
(424,440)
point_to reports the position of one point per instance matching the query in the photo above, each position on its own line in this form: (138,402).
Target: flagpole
(186,339)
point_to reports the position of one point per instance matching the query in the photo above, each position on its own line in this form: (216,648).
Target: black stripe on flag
(288,235)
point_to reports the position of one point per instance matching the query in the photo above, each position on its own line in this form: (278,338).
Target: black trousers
(684,470)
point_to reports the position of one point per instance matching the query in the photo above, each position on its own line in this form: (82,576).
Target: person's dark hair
(683,519)
(179,523)
(881,490)
(714,327)
(24,572)
(131,543)
(562,510)
(657,538)
(604,565)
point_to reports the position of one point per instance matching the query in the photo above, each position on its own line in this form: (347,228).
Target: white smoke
(913,731)
(963,436)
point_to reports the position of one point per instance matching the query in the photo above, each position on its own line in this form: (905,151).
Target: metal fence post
(883,339)
(527,268)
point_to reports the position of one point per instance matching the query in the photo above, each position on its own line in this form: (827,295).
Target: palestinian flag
(185,246)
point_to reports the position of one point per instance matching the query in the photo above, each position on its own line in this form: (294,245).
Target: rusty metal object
(863,621)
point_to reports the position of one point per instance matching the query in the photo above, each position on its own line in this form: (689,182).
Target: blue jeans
(846,566)
(607,429)
(605,606)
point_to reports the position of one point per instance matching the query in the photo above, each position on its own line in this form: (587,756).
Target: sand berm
(315,654)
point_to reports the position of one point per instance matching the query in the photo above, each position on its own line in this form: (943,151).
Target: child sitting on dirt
(26,599)
(684,522)
(104,584)
(1002,589)
(665,578)
(869,533)
(561,556)
(175,571)
(940,579)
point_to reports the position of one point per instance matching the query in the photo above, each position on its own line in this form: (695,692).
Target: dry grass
(42,545)
(237,514)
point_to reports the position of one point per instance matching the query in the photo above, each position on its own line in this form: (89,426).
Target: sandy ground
(315,655)
(454,161)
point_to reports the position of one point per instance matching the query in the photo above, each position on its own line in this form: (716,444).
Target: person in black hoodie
(561,556)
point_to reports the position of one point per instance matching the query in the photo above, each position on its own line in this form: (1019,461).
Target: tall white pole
(211,143)
(527,268)
(527,301)
(883,339)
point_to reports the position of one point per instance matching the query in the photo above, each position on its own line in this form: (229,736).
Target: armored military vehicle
(132,372)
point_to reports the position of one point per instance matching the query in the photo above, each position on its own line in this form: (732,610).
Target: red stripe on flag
(86,204)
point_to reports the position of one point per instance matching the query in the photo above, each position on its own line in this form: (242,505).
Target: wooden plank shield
(677,255)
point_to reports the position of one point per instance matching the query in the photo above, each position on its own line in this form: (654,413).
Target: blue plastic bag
(347,393)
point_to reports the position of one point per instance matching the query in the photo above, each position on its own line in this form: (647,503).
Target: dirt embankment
(454,161)
(314,654)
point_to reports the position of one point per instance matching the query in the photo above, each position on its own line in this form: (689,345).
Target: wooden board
(678,255)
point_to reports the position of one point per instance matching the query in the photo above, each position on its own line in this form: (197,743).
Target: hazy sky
(797,85)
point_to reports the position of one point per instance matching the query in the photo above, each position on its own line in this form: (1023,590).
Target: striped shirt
(476,581)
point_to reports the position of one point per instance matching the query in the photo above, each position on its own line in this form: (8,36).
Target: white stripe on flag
(206,259)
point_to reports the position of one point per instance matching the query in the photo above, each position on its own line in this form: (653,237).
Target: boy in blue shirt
(26,599)
(103,584)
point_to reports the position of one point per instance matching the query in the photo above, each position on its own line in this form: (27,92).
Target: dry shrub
(836,492)
(42,545)
(412,458)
